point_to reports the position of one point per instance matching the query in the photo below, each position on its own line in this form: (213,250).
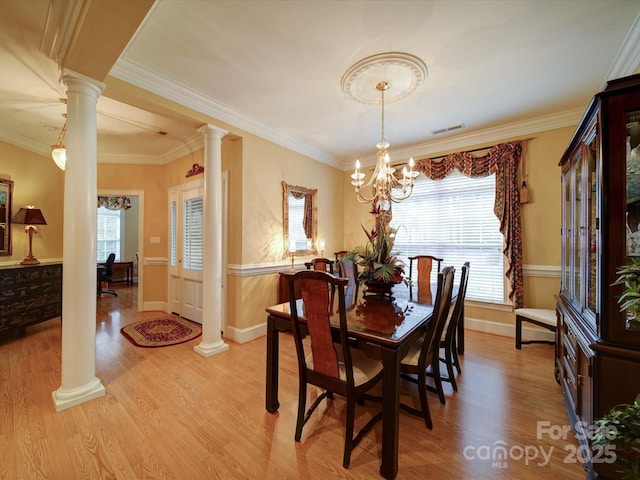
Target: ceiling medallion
(404,73)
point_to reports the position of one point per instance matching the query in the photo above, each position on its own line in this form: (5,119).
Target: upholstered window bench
(538,316)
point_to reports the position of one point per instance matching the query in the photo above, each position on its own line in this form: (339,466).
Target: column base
(66,398)
(210,349)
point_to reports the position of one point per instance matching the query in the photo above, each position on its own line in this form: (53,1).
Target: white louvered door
(186,252)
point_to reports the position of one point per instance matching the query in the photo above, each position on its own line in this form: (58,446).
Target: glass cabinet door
(566,232)
(592,241)
(576,229)
(633,194)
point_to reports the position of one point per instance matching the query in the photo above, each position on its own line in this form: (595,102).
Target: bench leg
(518,333)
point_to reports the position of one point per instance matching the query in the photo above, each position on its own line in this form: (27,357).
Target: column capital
(208,129)
(75,79)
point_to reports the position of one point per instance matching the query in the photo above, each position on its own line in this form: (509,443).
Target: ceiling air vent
(448,129)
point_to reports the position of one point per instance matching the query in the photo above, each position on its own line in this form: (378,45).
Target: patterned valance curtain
(503,160)
(114,203)
(307,219)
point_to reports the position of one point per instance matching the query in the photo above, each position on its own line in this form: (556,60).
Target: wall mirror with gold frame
(299,220)
(6,194)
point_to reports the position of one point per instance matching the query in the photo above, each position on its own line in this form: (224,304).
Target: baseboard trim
(244,335)
(155,306)
(506,329)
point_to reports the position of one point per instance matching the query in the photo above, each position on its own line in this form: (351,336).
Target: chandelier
(59,151)
(386,185)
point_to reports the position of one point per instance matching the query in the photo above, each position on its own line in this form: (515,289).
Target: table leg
(271,401)
(391,413)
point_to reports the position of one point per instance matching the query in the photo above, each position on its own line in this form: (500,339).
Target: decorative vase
(380,287)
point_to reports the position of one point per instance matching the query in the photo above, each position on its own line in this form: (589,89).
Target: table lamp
(29,217)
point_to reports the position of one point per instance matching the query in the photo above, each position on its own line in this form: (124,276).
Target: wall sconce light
(29,217)
(321,246)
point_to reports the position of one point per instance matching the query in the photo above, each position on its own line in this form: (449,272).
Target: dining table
(385,326)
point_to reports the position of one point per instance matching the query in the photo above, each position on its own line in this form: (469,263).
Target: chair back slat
(315,296)
(431,344)
(323,264)
(317,289)
(459,305)
(424,266)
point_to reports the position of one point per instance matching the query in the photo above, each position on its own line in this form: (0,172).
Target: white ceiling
(273,68)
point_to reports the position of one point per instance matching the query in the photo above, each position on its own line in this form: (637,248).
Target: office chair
(107,274)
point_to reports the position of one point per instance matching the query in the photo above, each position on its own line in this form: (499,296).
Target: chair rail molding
(547,271)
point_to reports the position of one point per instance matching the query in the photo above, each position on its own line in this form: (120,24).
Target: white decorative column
(79,274)
(212,342)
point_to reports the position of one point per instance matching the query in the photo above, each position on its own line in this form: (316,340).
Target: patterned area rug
(161,332)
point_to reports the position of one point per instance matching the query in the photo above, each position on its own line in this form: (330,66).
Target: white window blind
(108,233)
(453,219)
(296,224)
(193,235)
(172,229)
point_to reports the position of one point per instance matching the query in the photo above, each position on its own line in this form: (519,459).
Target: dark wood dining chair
(424,352)
(448,342)
(349,269)
(320,263)
(424,266)
(334,367)
(340,255)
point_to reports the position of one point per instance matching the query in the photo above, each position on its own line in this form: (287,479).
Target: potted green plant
(380,267)
(617,437)
(629,301)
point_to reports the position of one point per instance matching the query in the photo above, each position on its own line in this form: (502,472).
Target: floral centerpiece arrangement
(380,267)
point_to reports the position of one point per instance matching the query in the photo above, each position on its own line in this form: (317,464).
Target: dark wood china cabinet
(598,354)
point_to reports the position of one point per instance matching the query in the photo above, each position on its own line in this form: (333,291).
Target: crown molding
(59,28)
(628,58)
(460,142)
(24,142)
(147,79)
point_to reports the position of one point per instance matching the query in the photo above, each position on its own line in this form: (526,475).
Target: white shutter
(453,219)
(173,222)
(193,234)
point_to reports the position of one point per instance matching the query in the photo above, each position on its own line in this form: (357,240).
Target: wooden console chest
(29,295)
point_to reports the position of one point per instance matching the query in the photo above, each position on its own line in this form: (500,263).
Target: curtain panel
(503,160)
(114,203)
(307,219)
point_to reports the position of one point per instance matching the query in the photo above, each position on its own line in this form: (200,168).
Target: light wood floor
(169,413)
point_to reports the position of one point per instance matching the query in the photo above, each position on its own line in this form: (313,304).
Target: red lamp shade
(29,216)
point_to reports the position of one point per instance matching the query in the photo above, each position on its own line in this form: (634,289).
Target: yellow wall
(150,179)
(264,166)
(38,182)
(540,222)
(256,169)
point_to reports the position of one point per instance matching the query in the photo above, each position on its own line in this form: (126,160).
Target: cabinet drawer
(569,380)
(570,355)
(569,338)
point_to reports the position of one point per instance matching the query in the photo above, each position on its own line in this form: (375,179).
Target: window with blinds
(108,234)
(193,235)
(453,219)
